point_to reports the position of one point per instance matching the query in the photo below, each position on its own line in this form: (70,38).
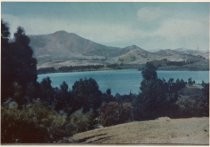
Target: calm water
(121,81)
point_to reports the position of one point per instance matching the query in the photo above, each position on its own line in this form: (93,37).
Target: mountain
(135,55)
(63,49)
(202,53)
(174,55)
(62,46)
(66,44)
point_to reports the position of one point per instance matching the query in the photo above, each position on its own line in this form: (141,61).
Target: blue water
(121,81)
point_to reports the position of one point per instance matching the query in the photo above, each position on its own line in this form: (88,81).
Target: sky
(151,26)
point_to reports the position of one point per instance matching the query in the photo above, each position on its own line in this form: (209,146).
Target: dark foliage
(157,97)
(125,98)
(76,68)
(86,94)
(18,64)
(17,128)
(64,100)
(205,97)
(25,64)
(108,97)
(190,81)
(46,91)
(176,63)
(6,67)
(113,113)
(154,98)
(149,72)
(46,70)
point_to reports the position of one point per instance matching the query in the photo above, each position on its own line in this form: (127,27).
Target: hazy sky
(148,25)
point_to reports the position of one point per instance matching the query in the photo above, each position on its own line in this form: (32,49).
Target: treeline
(84,68)
(199,63)
(69,69)
(50,114)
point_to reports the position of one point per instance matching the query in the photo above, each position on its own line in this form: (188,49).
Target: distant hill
(62,46)
(61,49)
(202,53)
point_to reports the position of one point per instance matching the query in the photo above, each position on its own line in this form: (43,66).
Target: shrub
(110,113)
(18,127)
(113,113)
(126,113)
(80,121)
(190,106)
(193,102)
(41,122)
(86,94)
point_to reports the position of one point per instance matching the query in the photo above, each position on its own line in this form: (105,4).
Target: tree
(149,72)
(6,70)
(25,64)
(107,96)
(5,34)
(46,91)
(190,82)
(205,98)
(63,98)
(86,94)
(155,99)
(108,92)
(18,64)
(64,87)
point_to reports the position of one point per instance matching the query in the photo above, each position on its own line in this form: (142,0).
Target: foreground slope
(159,131)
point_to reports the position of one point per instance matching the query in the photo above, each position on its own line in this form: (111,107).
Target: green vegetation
(50,114)
(85,68)
(38,123)
(158,97)
(18,65)
(115,113)
(190,64)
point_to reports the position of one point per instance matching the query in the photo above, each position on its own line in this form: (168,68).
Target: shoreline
(46,71)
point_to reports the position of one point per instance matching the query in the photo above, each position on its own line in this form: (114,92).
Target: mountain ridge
(69,49)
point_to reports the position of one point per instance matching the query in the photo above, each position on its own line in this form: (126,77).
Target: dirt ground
(192,131)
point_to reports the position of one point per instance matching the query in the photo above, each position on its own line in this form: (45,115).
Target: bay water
(121,81)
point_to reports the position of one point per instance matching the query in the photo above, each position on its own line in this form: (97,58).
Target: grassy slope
(161,131)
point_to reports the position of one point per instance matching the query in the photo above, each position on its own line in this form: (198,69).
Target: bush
(80,121)
(113,113)
(41,122)
(18,127)
(110,113)
(191,107)
(193,102)
(86,94)
(126,113)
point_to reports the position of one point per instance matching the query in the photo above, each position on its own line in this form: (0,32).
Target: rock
(66,140)
(97,126)
(164,118)
(10,103)
(13,105)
